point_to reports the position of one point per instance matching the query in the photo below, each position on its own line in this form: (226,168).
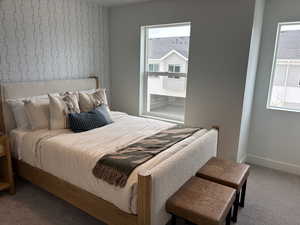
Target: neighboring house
(286,90)
(289,58)
(167,55)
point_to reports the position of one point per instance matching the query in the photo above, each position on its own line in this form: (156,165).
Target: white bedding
(72,156)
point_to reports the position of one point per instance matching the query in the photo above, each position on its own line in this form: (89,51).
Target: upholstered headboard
(28,89)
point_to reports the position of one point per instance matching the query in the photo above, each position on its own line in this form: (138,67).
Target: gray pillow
(103,111)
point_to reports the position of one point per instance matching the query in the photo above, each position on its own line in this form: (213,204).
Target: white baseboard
(243,159)
(273,164)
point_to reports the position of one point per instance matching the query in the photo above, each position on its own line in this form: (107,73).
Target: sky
(290,27)
(173,31)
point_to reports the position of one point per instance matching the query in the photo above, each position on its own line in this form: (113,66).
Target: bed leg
(144,199)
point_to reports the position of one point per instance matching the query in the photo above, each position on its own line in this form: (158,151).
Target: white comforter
(72,156)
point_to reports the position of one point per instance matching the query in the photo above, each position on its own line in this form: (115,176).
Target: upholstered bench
(202,202)
(228,173)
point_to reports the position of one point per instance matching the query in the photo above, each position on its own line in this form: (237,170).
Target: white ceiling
(117,2)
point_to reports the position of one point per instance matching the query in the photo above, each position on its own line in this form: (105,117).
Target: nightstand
(6,173)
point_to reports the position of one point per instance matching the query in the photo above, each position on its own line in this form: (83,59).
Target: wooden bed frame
(87,202)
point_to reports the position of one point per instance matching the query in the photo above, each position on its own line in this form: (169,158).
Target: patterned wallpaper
(52,39)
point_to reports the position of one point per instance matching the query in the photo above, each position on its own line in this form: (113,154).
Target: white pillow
(90,91)
(60,107)
(89,101)
(18,110)
(37,111)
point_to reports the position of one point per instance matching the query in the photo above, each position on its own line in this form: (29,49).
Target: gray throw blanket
(116,168)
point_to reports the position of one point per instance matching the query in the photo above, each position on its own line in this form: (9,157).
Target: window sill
(282,109)
(162,119)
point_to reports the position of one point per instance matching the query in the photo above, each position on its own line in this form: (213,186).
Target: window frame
(274,64)
(178,66)
(171,66)
(153,64)
(144,32)
(174,68)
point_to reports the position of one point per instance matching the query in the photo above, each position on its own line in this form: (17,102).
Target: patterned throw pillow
(89,101)
(60,108)
(72,105)
(85,121)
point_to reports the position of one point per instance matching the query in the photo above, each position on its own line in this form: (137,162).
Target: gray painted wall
(52,39)
(274,135)
(250,81)
(219,50)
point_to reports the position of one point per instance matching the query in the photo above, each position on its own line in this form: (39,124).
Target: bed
(40,157)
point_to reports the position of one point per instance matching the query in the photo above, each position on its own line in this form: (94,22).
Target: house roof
(159,47)
(289,45)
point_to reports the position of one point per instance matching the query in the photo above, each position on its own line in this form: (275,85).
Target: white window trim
(167,74)
(174,65)
(154,64)
(162,119)
(143,78)
(270,90)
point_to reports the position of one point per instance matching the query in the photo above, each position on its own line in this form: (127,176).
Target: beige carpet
(273,198)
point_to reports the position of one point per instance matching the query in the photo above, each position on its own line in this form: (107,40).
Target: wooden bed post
(94,76)
(144,199)
(2,124)
(218,129)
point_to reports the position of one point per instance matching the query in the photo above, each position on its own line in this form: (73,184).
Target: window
(164,67)
(284,90)
(153,67)
(174,68)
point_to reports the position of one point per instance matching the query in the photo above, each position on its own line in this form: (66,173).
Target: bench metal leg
(173,220)
(243,194)
(189,223)
(236,207)
(228,218)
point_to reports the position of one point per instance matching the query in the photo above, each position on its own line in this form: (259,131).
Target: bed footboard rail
(156,185)
(144,199)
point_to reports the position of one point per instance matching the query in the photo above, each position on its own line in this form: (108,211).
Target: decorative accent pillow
(18,109)
(37,112)
(84,121)
(89,101)
(103,112)
(90,91)
(60,107)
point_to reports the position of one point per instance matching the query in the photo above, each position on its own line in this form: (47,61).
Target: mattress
(49,150)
